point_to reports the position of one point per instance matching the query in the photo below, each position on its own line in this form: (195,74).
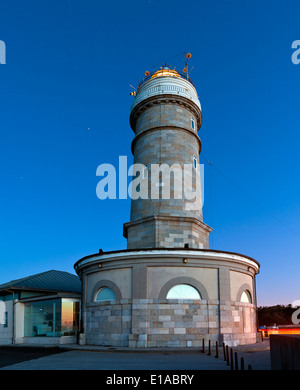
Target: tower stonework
(167,289)
(166,117)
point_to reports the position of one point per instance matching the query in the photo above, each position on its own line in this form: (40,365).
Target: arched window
(183,291)
(105,294)
(246,297)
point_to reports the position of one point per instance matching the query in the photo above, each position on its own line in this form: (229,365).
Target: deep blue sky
(64,110)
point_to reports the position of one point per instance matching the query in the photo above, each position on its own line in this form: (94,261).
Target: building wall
(6,331)
(141,316)
(164,137)
(19,322)
(238,280)
(163,115)
(159,276)
(121,277)
(13,333)
(166,146)
(109,323)
(169,323)
(167,232)
(174,323)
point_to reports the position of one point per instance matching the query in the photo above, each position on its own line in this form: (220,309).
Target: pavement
(76,357)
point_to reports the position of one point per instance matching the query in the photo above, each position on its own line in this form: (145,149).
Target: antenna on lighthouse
(186,68)
(132,93)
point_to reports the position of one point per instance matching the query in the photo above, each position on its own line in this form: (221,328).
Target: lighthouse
(166,117)
(167,288)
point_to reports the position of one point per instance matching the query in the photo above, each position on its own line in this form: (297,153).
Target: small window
(246,297)
(183,291)
(193,123)
(105,294)
(5,319)
(145,172)
(195,162)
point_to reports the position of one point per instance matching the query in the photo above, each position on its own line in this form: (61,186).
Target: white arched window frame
(183,291)
(246,297)
(105,294)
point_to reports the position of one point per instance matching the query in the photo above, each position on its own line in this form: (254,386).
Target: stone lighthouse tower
(167,289)
(165,117)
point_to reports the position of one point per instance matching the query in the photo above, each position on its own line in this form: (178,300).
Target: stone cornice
(206,257)
(165,99)
(162,217)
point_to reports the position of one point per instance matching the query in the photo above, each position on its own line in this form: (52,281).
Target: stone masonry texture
(164,135)
(169,323)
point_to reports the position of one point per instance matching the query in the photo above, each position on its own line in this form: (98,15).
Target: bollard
(203,346)
(231,359)
(242,364)
(224,352)
(236,361)
(227,355)
(217,350)
(209,350)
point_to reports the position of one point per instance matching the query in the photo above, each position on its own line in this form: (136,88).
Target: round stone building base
(128,298)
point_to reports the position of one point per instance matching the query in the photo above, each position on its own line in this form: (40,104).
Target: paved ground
(256,355)
(95,358)
(12,355)
(92,360)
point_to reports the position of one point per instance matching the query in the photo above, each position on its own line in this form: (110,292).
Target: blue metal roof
(47,281)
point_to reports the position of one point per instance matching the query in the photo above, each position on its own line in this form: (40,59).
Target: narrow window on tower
(193,123)
(195,162)
(5,319)
(145,172)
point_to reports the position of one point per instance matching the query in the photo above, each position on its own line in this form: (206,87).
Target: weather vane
(186,68)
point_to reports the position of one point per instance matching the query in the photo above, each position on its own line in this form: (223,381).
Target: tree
(279,315)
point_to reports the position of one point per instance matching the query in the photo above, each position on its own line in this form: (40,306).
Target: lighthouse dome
(166,81)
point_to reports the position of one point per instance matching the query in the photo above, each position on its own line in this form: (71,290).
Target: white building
(40,309)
